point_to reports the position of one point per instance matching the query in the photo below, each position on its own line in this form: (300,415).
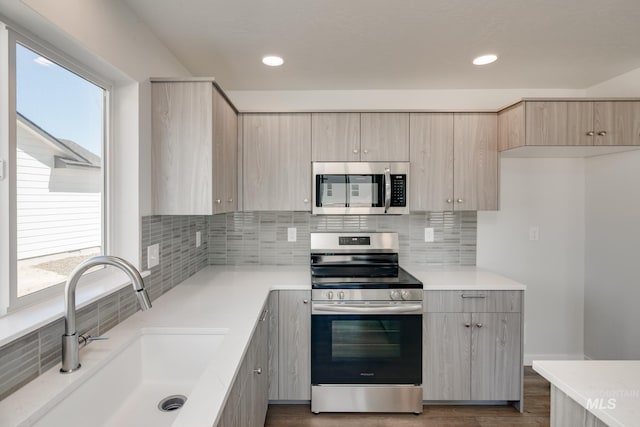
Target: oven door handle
(319,308)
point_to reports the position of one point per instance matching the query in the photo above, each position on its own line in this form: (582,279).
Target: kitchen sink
(156,370)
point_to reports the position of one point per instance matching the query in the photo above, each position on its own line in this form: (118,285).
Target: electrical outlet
(534,232)
(153,255)
(292,234)
(429,235)
(198,239)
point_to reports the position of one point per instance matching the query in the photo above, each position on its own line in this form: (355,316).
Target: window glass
(59,183)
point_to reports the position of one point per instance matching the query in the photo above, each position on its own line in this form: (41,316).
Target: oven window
(365,339)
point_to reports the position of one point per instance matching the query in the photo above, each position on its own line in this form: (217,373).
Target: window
(57,149)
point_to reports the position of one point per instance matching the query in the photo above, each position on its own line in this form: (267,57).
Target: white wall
(612,276)
(548,193)
(625,85)
(336,100)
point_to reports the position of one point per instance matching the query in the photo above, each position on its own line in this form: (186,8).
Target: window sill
(92,287)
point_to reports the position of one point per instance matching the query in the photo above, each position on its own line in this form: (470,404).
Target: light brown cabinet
(354,137)
(569,123)
(246,405)
(454,161)
(473,345)
(294,330)
(276,162)
(193,149)
(335,137)
(384,137)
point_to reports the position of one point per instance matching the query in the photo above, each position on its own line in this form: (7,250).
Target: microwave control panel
(398,190)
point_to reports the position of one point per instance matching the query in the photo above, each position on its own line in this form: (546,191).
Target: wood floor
(536,404)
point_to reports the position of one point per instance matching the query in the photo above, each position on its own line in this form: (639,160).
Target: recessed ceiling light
(485,59)
(272,61)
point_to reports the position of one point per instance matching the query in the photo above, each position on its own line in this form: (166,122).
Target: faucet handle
(84,340)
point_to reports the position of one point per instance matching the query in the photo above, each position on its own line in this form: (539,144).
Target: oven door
(381,347)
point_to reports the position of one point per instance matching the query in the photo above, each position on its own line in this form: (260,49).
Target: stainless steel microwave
(360,188)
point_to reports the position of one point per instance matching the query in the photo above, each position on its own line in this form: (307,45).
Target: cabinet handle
(602,133)
(230,200)
(264,315)
(591,133)
(459,200)
(449,201)
(258,371)
(218,201)
(365,151)
(306,200)
(467,325)
(355,151)
(473,296)
(305,301)
(479,325)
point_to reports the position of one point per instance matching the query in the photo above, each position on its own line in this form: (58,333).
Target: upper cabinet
(353,137)
(454,161)
(193,149)
(276,162)
(335,137)
(431,184)
(384,137)
(475,154)
(569,123)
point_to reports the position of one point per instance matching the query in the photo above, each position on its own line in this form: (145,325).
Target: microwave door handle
(387,189)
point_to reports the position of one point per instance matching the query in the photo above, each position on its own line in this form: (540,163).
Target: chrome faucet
(70,339)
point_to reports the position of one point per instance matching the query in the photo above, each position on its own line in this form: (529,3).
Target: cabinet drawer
(473,301)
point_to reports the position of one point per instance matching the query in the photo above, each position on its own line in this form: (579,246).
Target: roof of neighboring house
(76,155)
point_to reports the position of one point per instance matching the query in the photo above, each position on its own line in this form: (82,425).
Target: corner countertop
(609,389)
(225,297)
(462,278)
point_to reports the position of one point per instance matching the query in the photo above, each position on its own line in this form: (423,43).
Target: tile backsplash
(261,237)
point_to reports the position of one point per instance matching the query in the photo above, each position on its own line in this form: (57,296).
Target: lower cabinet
(247,402)
(294,341)
(471,352)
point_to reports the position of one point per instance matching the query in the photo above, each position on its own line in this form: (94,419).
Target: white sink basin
(126,390)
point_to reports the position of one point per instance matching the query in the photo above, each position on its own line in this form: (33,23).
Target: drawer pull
(467,325)
(264,315)
(473,296)
(258,371)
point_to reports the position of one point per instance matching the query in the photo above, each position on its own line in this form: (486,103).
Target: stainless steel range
(366,326)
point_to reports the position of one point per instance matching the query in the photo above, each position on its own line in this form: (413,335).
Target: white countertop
(462,278)
(229,297)
(583,380)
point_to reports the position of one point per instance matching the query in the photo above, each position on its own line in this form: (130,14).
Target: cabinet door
(446,344)
(259,391)
(277,162)
(579,123)
(384,137)
(431,161)
(294,312)
(617,123)
(225,159)
(273,345)
(181,148)
(495,356)
(546,123)
(475,154)
(335,137)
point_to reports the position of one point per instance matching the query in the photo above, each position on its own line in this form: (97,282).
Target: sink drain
(172,403)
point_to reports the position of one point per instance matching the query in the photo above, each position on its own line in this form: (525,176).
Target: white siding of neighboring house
(58,209)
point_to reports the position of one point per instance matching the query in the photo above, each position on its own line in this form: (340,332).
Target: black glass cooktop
(402,280)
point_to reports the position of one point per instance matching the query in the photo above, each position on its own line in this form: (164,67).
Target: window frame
(10,302)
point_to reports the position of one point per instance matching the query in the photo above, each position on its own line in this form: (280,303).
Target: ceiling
(401,44)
